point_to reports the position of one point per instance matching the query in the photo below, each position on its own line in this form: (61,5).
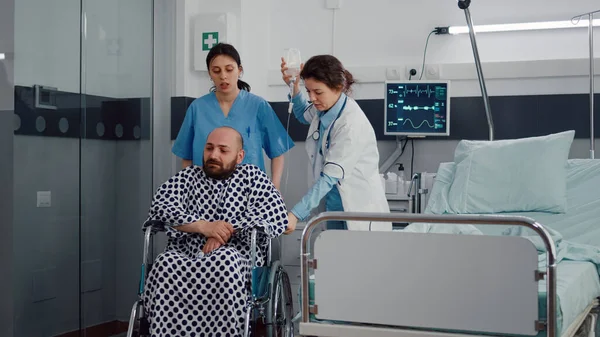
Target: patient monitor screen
(417,108)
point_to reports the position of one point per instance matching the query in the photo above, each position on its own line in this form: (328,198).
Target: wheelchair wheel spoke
(282,306)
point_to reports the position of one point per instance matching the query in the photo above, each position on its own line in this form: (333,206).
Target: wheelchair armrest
(254,246)
(151,227)
(155,225)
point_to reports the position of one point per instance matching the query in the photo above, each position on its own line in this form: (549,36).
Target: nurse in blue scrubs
(230,103)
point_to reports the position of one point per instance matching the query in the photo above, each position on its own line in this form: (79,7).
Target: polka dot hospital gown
(188,293)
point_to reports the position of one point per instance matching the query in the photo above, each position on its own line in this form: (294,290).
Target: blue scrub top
(252,116)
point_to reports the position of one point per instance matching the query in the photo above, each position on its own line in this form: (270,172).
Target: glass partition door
(116,156)
(76,151)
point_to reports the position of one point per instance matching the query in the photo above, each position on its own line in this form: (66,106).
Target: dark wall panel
(513,116)
(104,118)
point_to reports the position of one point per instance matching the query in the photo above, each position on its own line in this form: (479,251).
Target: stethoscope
(317,133)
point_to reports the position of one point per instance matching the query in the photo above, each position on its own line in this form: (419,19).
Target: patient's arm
(221,231)
(172,208)
(210,245)
(265,209)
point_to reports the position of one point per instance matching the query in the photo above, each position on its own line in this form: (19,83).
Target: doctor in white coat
(341,146)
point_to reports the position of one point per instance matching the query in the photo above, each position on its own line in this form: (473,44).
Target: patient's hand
(210,245)
(219,230)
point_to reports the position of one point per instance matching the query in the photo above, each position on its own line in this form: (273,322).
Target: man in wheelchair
(200,284)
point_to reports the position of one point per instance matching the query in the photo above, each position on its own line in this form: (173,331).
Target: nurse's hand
(286,78)
(292,221)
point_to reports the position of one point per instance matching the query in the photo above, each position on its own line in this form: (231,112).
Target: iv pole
(464,5)
(575,20)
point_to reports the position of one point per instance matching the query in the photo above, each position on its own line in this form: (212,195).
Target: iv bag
(293,60)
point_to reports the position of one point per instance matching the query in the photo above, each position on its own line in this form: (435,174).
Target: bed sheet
(577,285)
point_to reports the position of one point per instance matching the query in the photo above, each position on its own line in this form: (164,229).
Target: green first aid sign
(209,39)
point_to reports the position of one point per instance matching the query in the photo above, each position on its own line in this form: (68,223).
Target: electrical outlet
(393,73)
(430,72)
(44,199)
(409,68)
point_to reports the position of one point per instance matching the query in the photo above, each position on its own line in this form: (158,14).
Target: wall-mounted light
(2,56)
(508,27)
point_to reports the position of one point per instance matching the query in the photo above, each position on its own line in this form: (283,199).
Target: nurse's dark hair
(227,50)
(328,70)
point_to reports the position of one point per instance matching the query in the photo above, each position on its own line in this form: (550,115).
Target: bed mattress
(577,286)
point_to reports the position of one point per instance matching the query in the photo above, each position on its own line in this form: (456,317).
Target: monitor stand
(393,158)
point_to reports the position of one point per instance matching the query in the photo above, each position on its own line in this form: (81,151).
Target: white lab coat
(352,157)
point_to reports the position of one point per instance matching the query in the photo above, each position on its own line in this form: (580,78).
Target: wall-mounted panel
(105,118)
(513,116)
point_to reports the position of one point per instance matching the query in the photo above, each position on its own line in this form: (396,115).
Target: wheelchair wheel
(280,307)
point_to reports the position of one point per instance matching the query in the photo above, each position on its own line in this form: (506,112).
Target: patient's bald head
(224,150)
(226,135)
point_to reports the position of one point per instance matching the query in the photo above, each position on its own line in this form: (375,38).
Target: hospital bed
(473,275)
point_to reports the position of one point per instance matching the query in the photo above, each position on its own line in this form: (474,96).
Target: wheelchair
(270,302)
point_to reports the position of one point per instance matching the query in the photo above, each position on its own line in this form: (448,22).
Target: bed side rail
(306,262)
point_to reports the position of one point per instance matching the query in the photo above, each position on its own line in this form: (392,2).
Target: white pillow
(520,175)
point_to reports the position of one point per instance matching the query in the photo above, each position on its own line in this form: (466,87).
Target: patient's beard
(221,171)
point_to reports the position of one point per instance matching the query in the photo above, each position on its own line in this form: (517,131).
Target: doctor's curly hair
(328,70)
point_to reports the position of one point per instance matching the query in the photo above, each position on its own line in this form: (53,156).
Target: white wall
(372,36)
(396,32)
(190,82)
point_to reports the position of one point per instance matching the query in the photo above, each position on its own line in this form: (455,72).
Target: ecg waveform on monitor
(410,108)
(419,126)
(418,91)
